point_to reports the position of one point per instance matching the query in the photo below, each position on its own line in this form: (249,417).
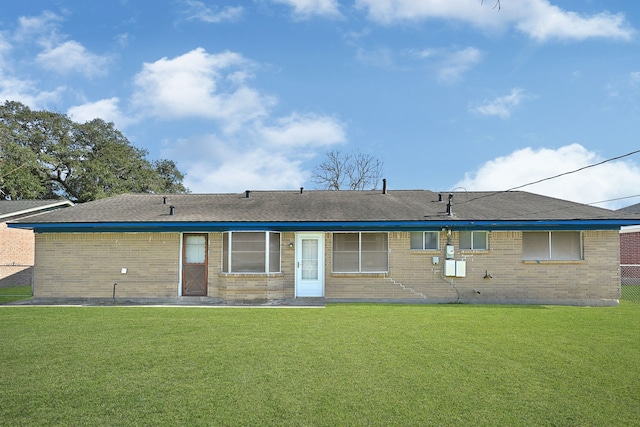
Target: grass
(343,365)
(15,293)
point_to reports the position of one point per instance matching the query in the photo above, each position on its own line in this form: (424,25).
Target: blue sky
(252,94)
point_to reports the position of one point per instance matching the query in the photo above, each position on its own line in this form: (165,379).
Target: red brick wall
(16,256)
(630,248)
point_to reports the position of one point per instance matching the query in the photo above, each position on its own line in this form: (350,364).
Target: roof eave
(186,226)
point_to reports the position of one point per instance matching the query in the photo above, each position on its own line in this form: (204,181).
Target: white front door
(309,265)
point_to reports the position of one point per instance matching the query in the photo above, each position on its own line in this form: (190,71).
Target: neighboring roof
(321,210)
(12,209)
(633,209)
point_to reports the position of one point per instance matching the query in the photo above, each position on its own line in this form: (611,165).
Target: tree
(356,171)
(46,155)
(496,4)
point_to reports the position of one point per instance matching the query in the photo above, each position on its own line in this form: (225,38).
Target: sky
(461,95)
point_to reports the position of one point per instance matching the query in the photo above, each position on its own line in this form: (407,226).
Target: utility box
(450,268)
(461,269)
(453,268)
(450,252)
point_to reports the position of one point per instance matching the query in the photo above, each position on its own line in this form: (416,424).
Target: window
(475,240)
(251,252)
(360,252)
(551,245)
(428,240)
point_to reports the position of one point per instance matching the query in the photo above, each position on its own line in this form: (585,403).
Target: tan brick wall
(251,287)
(86,265)
(413,275)
(16,256)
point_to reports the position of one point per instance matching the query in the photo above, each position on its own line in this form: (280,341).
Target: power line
(613,200)
(577,170)
(552,177)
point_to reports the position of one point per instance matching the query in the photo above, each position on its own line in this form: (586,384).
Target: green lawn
(16,293)
(372,365)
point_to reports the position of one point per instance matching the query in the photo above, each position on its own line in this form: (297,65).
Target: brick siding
(630,248)
(16,256)
(86,265)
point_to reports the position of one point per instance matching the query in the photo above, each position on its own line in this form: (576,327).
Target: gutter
(454,225)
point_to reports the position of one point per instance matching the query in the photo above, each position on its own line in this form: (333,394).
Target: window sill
(553,261)
(474,251)
(365,274)
(425,251)
(250,274)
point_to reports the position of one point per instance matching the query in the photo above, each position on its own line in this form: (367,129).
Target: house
(386,246)
(630,249)
(16,245)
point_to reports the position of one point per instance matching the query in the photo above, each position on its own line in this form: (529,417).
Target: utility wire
(613,200)
(552,177)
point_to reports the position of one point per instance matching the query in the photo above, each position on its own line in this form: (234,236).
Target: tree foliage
(348,171)
(46,155)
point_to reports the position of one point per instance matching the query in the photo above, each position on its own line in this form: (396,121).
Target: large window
(251,252)
(474,240)
(551,245)
(427,240)
(360,252)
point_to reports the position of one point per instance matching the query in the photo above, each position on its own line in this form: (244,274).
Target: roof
(12,209)
(633,209)
(326,210)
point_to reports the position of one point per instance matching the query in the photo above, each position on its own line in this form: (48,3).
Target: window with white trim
(362,252)
(251,252)
(474,240)
(551,245)
(425,240)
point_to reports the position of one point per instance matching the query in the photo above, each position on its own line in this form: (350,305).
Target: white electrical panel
(450,268)
(453,268)
(435,260)
(461,269)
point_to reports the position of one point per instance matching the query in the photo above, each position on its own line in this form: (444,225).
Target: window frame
(267,251)
(473,240)
(360,251)
(424,240)
(550,246)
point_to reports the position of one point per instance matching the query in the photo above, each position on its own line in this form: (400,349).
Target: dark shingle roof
(633,209)
(321,206)
(15,208)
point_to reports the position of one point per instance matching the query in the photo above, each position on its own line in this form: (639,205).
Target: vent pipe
(247,194)
(301,190)
(172,210)
(164,200)
(440,197)
(384,186)
(449,212)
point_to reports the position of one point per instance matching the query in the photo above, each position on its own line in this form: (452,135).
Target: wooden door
(194,264)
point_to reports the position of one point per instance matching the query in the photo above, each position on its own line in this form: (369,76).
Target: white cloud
(457,63)
(42,28)
(304,9)
(297,131)
(194,85)
(604,182)
(538,19)
(501,106)
(27,92)
(105,109)
(72,57)
(197,10)
(261,157)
